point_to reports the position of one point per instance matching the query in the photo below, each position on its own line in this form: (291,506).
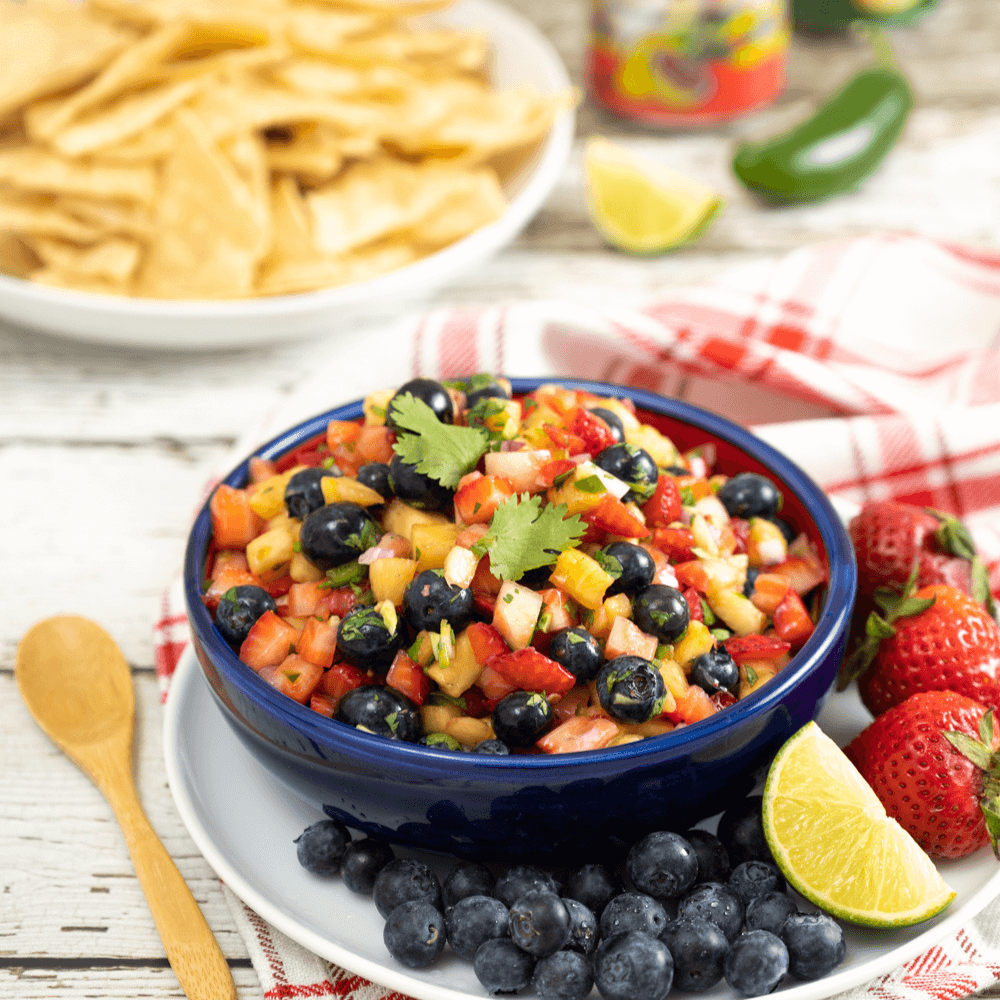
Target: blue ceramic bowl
(540,807)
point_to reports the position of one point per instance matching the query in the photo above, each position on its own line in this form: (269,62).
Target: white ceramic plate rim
(184,687)
(167,323)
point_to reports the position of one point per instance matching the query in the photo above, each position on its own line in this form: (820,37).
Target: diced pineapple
(622,738)
(422,649)
(343,489)
(654,727)
(375,406)
(400,518)
(390,577)
(469,731)
(753,674)
(615,607)
(673,676)
(736,611)
(766,545)
(515,614)
(435,718)
(431,544)
(301,570)
(269,552)
(726,572)
(661,449)
(706,535)
(696,640)
(507,421)
(460,566)
(581,577)
(268,497)
(461,673)
(627,639)
(711,506)
(535,420)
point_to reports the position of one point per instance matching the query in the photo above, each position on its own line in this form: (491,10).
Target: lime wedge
(831,837)
(642,207)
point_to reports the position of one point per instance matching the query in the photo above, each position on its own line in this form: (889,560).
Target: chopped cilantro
(348,573)
(206,583)
(296,546)
(751,675)
(378,411)
(687,496)
(523,535)
(490,414)
(440,698)
(293,675)
(560,480)
(574,637)
(608,563)
(392,721)
(721,633)
(508,599)
(590,484)
(352,628)
(327,463)
(442,451)
(477,508)
(230,596)
(707,613)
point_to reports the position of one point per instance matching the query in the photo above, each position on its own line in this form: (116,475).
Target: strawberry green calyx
(953,536)
(982,754)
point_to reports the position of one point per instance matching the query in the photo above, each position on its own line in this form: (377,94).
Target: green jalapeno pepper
(837,148)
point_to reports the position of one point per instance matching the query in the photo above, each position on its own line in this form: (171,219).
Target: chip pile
(219,149)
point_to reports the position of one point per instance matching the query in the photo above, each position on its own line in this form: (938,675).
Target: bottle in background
(686,63)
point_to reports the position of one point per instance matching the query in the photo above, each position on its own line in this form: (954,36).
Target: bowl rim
(683,741)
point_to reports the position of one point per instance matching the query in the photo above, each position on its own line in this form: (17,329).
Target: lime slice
(643,207)
(835,844)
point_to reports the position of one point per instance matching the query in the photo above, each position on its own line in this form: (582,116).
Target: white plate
(244,822)
(521,55)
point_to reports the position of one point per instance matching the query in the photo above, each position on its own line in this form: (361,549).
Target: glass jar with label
(686,63)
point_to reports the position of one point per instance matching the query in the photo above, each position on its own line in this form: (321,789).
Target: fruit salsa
(471,571)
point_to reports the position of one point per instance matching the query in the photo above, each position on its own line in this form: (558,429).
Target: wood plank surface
(104,454)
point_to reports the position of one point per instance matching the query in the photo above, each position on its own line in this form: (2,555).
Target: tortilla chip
(29,216)
(49,45)
(34,169)
(16,259)
(113,259)
(310,151)
(207,241)
(475,200)
(55,278)
(323,30)
(109,218)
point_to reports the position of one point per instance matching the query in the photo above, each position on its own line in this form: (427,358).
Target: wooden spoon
(77,685)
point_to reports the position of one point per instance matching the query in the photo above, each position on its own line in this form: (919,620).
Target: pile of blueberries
(688,911)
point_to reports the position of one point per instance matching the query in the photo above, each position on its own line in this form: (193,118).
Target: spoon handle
(191,948)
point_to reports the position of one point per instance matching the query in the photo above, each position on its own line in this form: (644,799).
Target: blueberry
(380,710)
(638,568)
(592,885)
(698,948)
(749,494)
(714,671)
(304,493)
(633,911)
(632,465)
(631,689)
(717,903)
(473,920)
(364,639)
(576,650)
(584,931)
(519,879)
(521,717)
(769,911)
(320,847)
(362,862)
(815,942)
(492,748)
(756,963)
(414,934)
(238,610)
(375,475)
(428,391)
(741,829)
(753,878)
(663,864)
(662,611)
(439,741)
(502,967)
(479,388)
(417,489)
(713,858)
(337,534)
(751,581)
(430,599)
(613,421)
(402,880)
(633,966)
(466,878)
(539,923)
(566,975)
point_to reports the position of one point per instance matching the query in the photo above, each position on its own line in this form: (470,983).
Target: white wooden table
(103,454)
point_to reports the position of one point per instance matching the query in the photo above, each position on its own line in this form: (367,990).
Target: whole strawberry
(938,639)
(932,762)
(892,538)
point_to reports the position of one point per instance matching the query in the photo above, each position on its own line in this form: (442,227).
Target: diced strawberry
(559,611)
(692,574)
(486,641)
(768,591)
(374,444)
(551,471)
(592,430)
(260,469)
(692,706)
(305,599)
(791,620)
(578,733)
(279,586)
(295,677)
(468,536)
(311,453)
(234,524)
(476,704)
(803,568)
(340,600)
(675,543)
(529,670)
(485,603)
(230,569)
(318,642)
(484,582)
(612,516)
(563,438)
(340,432)
(756,647)
(664,506)
(723,699)
(341,678)
(693,599)
(408,678)
(741,532)
(494,686)
(572,703)
(323,704)
(268,642)
(476,502)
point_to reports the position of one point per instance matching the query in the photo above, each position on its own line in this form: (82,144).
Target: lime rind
(821,819)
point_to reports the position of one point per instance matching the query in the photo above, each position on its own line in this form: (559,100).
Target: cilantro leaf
(442,451)
(523,535)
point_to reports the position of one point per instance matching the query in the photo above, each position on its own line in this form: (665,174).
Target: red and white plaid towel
(873,362)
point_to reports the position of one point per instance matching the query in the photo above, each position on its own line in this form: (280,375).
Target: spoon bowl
(77,685)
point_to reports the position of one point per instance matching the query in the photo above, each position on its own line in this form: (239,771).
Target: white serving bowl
(521,55)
